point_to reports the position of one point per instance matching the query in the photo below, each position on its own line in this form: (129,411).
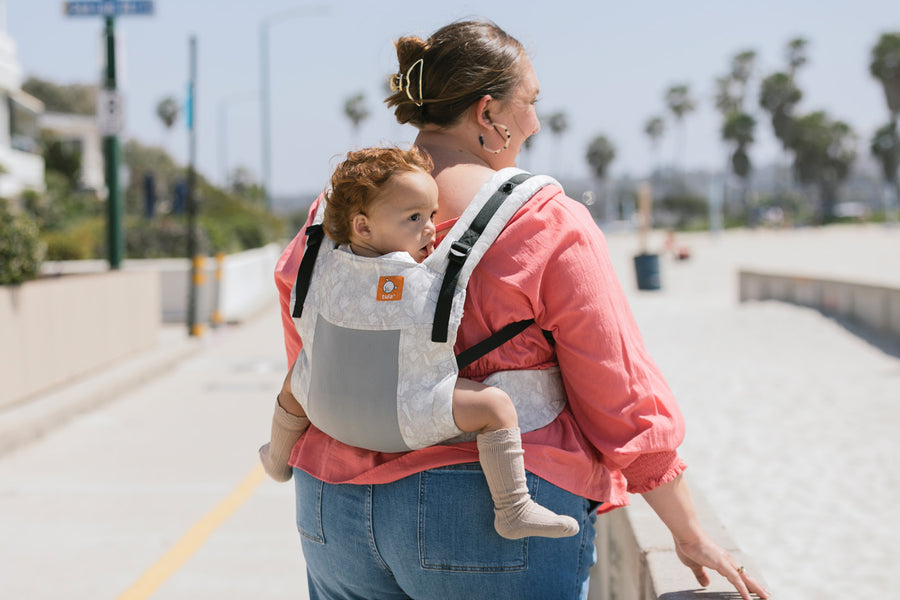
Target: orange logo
(390,288)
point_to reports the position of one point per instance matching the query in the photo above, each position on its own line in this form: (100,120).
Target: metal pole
(223,144)
(194,328)
(111,160)
(264,112)
(264,108)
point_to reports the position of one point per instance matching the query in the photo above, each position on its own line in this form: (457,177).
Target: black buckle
(459,251)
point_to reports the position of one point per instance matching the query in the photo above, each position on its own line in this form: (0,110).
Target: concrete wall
(234,286)
(54,329)
(247,282)
(874,307)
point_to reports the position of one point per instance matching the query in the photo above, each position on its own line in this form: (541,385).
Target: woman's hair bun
(438,79)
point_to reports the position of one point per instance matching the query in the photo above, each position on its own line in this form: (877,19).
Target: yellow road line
(190,542)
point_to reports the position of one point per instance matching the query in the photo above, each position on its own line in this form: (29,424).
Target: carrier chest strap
(459,252)
(494,341)
(314,236)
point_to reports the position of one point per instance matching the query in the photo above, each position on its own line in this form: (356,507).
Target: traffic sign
(107,8)
(110,112)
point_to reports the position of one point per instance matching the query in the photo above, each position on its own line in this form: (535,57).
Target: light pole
(264,108)
(224,104)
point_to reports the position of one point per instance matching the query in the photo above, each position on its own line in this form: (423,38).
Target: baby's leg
(490,412)
(288,424)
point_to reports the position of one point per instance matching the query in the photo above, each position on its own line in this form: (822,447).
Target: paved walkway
(792,420)
(792,426)
(158,490)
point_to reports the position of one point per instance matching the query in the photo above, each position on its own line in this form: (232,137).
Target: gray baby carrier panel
(377,368)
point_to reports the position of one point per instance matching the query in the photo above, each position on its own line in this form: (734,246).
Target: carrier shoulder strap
(459,252)
(314,236)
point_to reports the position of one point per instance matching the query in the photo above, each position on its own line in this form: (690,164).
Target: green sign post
(109,110)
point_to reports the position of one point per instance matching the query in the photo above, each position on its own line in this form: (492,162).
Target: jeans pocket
(456,524)
(309,506)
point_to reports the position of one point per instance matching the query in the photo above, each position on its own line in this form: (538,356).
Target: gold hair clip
(400,82)
(397,82)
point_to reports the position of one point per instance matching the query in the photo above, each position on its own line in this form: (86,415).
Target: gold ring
(741,570)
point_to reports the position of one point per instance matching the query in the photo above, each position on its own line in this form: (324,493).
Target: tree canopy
(600,154)
(76,98)
(167,110)
(824,151)
(885,66)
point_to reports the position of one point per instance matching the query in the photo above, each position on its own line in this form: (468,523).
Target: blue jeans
(431,536)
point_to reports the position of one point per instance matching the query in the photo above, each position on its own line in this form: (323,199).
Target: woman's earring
(505,133)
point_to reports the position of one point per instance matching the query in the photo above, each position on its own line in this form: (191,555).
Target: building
(21,165)
(80,132)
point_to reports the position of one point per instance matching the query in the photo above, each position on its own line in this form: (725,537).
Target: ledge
(636,557)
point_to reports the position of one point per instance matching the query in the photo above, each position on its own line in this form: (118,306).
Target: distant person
(404,525)
(179,203)
(149,195)
(382,201)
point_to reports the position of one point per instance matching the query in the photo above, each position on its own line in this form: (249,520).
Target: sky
(605,64)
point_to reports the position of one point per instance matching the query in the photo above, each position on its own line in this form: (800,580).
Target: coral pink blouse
(621,427)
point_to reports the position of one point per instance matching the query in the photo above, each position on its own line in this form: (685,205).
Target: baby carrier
(377,368)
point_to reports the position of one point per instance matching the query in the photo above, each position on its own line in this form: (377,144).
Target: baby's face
(402,216)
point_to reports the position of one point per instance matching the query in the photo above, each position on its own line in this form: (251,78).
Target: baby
(383,200)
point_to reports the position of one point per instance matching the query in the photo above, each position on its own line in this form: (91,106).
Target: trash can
(647,268)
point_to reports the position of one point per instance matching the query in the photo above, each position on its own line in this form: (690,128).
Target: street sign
(107,8)
(110,112)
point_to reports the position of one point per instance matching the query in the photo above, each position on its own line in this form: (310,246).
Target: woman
(409,525)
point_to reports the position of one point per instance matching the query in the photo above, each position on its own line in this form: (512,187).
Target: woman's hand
(704,553)
(672,502)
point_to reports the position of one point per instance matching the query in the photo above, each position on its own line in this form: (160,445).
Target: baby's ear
(360,226)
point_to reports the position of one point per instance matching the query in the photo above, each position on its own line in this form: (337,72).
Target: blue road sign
(108,8)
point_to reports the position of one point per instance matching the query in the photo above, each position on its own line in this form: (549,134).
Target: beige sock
(286,430)
(516,515)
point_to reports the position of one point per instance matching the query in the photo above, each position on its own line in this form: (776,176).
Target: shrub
(21,249)
(685,209)
(162,238)
(82,241)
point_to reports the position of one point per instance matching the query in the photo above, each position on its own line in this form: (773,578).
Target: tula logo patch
(390,288)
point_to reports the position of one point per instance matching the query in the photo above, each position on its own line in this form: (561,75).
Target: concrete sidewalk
(138,467)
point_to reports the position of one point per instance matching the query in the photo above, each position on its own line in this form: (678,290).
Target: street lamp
(264,108)
(224,104)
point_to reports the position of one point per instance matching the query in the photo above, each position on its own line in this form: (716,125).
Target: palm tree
(727,99)
(742,66)
(824,151)
(355,109)
(796,55)
(167,110)
(885,67)
(779,95)
(885,146)
(680,103)
(600,153)
(655,127)
(739,130)
(559,123)
(737,125)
